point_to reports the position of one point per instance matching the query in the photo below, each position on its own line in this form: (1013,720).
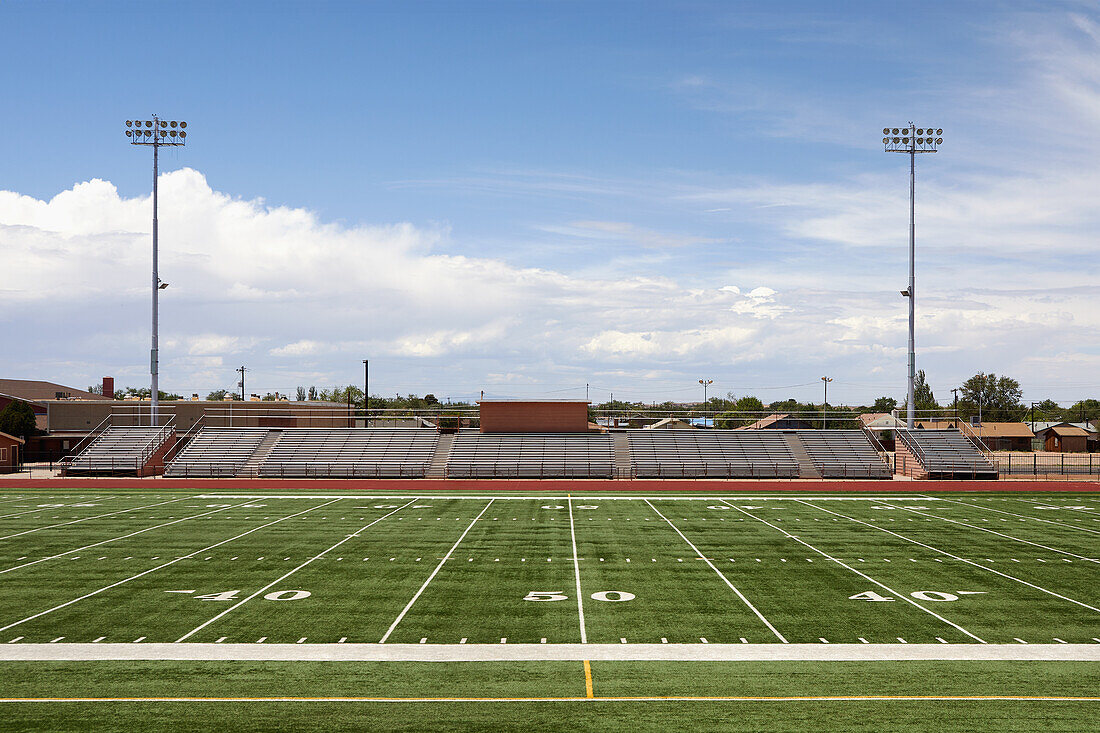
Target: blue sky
(528,197)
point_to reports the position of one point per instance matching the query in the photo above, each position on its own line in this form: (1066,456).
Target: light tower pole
(706,383)
(825,404)
(911,140)
(156,132)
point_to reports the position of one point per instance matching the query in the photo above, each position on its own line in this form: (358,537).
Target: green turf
(547,679)
(100,566)
(1031,572)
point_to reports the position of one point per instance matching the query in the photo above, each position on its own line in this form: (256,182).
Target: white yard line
(116,539)
(577,573)
(48,508)
(98,516)
(902,596)
(956,557)
(438,567)
(1000,534)
(732,587)
(163,565)
(1023,516)
(696,652)
(283,577)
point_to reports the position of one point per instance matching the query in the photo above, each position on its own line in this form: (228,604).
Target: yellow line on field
(588,679)
(651,698)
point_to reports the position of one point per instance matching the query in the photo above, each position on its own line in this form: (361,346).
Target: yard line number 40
(920,595)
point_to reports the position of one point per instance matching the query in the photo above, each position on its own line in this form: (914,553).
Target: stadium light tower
(155,132)
(912,140)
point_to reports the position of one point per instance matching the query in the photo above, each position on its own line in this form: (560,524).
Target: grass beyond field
(677,573)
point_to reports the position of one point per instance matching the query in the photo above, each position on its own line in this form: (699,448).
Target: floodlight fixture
(912,140)
(155,133)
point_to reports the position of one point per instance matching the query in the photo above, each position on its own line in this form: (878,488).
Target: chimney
(109,387)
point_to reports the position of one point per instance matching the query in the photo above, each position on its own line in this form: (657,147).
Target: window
(3,455)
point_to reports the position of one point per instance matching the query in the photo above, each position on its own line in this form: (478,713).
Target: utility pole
(156,132)
(241,383)
(955,391)
(825,404)
(905,140)
(366,393)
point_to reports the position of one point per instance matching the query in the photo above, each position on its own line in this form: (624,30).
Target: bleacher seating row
(711,454)
(120,450)
(216,452)
(408,452)
(946,454)
(531,455)
(844,454)
(351,453)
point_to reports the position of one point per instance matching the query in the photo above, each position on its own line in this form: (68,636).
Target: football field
(168,598)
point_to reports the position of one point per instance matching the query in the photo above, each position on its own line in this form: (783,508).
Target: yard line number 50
(611,596)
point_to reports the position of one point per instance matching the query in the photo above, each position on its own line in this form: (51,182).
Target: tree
(993,397)
(18,419)
(884,404)
(431,399)
(1083,410)
(1047,410)
(301,396)
(313,394)
(217,395)
(749,404)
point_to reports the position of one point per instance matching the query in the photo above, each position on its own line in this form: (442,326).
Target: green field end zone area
(855,594)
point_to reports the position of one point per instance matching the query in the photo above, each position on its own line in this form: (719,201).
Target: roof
(770,420)
(1042,426)
(30,389)
(881,420)
(670,423)
(12,438)
(1066,431)
(1003,430)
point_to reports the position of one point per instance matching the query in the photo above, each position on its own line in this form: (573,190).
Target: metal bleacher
(351,453)
(947,454)
(531,455)
(120,450)
(216,452)
(711,454)
(844,454)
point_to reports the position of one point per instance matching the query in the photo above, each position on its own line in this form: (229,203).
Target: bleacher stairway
(438,467)
(251,467)
(806,467)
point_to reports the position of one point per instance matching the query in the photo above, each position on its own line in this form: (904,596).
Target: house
(10,447)
(1066,437)
(882,425)
(778,422)
(671,423)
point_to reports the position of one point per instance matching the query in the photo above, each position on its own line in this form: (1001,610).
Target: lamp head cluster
(156,132)
(911,139)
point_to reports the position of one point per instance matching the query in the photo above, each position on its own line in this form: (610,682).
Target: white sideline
(771,652)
